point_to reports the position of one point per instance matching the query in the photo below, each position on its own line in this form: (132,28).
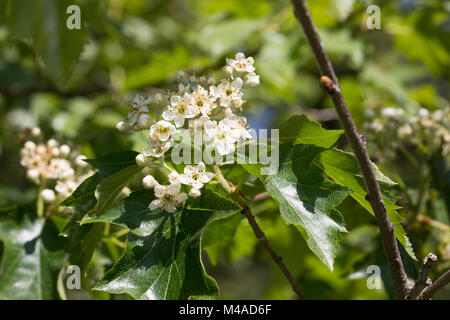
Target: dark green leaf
(343,168)
(162,259)
(32,257)
(308,200)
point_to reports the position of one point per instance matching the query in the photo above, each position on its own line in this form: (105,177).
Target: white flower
(224,139)
(196,176)
(252,79)
(174,177)
(194,193)
(168,197)
(180,108)
(228,93)
(391,112)
(149,182)
(238,126)
(423,112)
(156,148)
(241,64)
(65,188)
(140,101)
(48,195)
(162,130)
(201,101)
(405,130)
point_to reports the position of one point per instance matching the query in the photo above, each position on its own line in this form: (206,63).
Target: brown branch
(435,286)
(232,190)
(330,83)
(423,281)
(278,260)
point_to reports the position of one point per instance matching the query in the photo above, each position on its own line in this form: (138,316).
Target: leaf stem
(330,84)
(246,211)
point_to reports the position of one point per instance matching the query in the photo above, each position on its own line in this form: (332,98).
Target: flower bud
(142,161)
(145,121)
(149,182)
(194,193)
(33,175)
(122,126)
(48,195)
(52,143)
(29,145)
(36,132)
(79,161)
(65,150)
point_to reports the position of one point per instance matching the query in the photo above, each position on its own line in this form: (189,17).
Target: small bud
(52,143)
(122,126)
(55,152)
(29,145)
(145,121)
(48,195)
(181,76)
(194,193)
(33,175)
(36,132)
(142,161)
(65,150)
(149,182)
(79,161)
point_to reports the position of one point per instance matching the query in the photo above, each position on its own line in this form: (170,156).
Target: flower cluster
(56,168)
(199,104)
(428,131)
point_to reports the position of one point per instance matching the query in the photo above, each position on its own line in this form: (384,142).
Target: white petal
(155,204)
(206,177)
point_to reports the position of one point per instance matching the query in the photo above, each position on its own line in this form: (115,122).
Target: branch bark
(246,211)
(438,284)
(330,83)
(423,281)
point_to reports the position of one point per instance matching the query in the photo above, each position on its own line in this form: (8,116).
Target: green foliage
(162,258)
(32,257)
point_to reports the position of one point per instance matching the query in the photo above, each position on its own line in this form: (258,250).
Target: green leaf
(301,130)
(221,37)
(218,235)
(343,168)
(162,258)
(56,46)
(308,200)
(94,195)
(32,257)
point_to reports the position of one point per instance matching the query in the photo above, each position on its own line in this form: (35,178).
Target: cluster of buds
(199,104)
(56,168)
(428,131)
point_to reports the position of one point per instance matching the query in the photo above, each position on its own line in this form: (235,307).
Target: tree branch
(330,83)
(246,211)
(435,287)
(423,280)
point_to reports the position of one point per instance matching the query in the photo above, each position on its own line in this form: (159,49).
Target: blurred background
(77,84)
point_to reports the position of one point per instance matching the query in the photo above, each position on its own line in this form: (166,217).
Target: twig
(436,224)
(423,281)
(278,260)
(261,196)
(330,83)
(246,211)
(435,287)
